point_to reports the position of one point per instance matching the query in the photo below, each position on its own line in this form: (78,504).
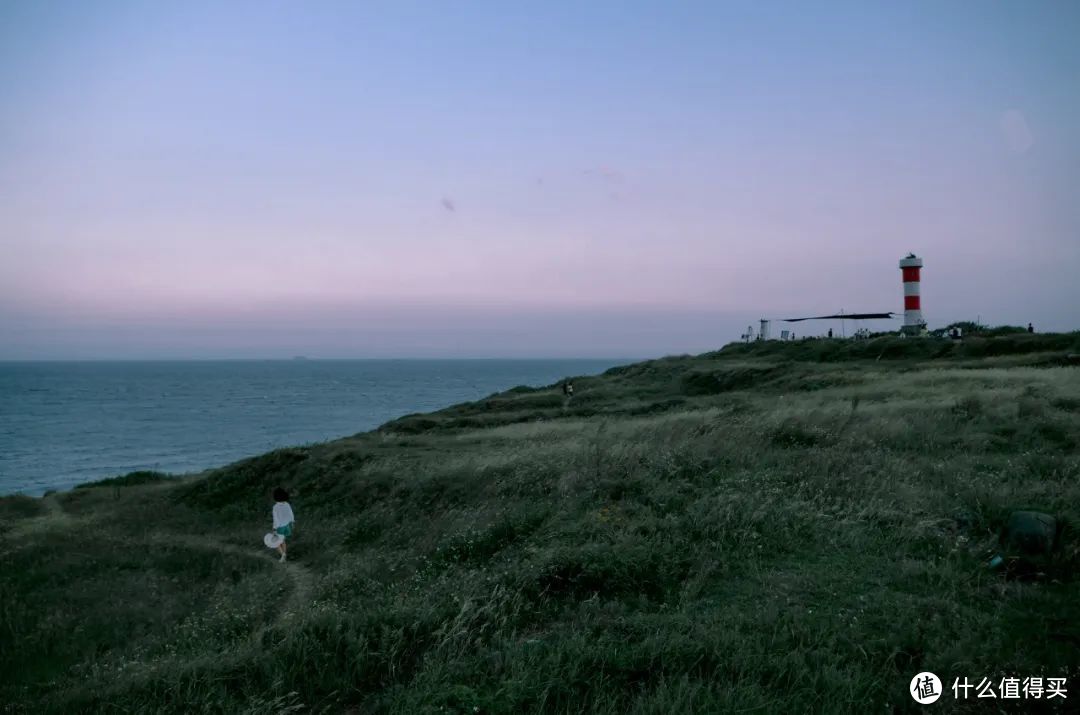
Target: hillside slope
(771,528)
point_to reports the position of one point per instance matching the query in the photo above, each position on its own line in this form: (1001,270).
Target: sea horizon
(17,361)
(69,422)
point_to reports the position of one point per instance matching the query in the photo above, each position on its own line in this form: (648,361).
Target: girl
(283,518)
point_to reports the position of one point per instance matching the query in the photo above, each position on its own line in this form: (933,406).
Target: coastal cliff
(772,527)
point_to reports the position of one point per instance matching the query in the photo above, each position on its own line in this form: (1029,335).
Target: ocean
(66,423)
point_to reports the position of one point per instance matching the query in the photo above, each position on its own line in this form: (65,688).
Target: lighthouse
(914,324)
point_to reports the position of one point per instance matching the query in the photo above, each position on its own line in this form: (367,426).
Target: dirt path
(54,518)
(53,509)
(300,576)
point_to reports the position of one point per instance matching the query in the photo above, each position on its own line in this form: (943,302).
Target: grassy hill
(776,527)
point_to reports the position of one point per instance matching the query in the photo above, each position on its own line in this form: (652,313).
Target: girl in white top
(283,518)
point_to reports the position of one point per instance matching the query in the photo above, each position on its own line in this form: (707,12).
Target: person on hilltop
(283,518)
(568,392)
(1031,328)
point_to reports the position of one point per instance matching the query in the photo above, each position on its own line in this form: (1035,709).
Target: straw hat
(272,540)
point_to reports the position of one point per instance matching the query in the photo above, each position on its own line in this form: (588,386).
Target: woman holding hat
(283,519)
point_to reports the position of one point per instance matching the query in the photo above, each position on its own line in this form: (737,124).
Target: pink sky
(201,181)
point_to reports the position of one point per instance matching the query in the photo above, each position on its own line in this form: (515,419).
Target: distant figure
(283,518)
(569,389)
(1031,328)
(830,332)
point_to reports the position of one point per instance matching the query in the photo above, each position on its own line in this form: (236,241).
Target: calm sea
(63,423)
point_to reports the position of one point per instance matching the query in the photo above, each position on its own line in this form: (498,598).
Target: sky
(512,179)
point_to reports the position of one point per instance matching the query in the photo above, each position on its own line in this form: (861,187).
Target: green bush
(247,484)
(1002,330)
(713,382)
(19,506)
(128,480)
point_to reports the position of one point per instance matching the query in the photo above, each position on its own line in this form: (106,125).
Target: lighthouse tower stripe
(910,268)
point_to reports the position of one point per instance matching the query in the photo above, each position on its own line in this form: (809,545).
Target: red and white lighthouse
(913,319)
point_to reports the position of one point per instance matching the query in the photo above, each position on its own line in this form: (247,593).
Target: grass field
(777,528)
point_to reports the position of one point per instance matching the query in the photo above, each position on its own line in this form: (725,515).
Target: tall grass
(788,536)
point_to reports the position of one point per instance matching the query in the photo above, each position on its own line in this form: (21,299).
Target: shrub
(630,569)
(240,486)
(968,407)
(19,506)
(128,480)
(713,382)
(793,433)
(522,390)
(1067,404)
(478,545)
(1003,330)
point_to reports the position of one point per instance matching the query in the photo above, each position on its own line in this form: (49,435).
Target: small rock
(1030,532)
